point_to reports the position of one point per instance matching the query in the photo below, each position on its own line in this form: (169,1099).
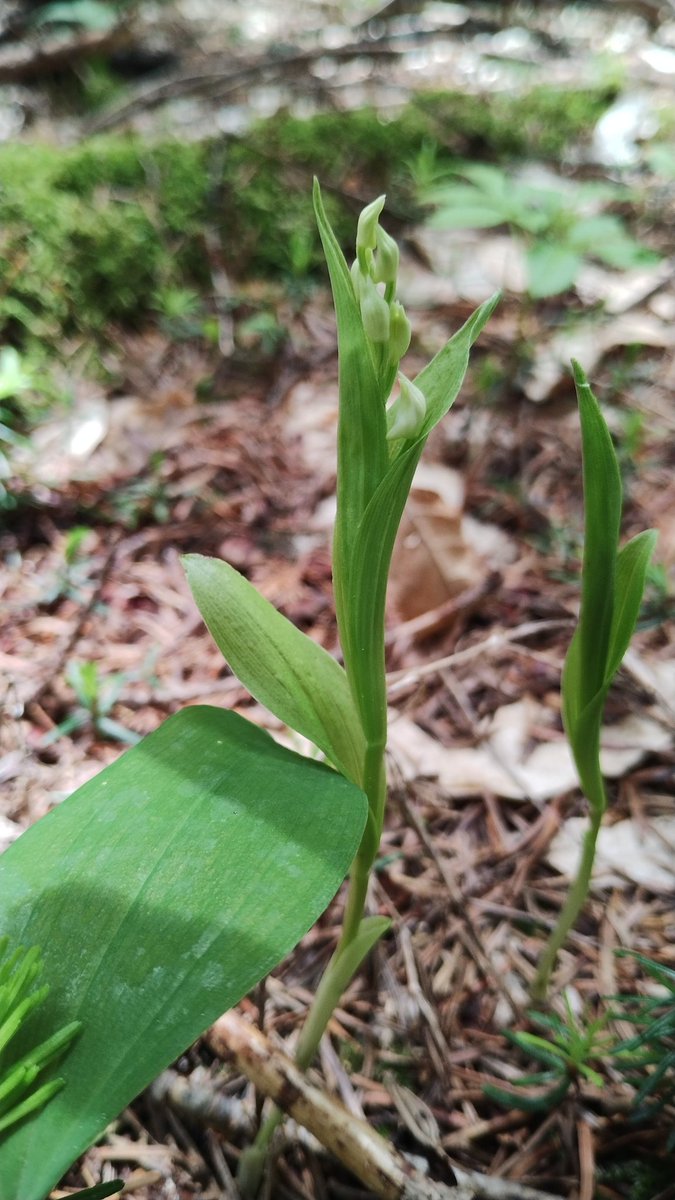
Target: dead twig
(352,1141)
(398,681)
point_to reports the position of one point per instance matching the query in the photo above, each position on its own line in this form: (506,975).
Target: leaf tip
(580,379)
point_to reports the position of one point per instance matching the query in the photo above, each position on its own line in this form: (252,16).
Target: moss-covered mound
(100,232)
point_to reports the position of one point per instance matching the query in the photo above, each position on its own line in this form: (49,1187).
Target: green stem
(339,972)
(572,906)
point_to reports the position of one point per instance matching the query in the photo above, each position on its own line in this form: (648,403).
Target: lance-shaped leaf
(440,383)
(612,586)
(362,452)
(284,669)
(160,892)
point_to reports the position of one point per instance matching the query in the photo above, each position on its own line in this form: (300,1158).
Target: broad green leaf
(551,269)
(631,572)
(602,518)
(589,233)
(284,669)
(625,253)
(468,212)
(491,180)
(159,893)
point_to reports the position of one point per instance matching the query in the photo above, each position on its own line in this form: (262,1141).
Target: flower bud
(366,232)
(386,259)
(406,416)
(399,331)
(374,311)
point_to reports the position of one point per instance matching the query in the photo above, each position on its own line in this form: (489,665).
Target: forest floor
(224,444)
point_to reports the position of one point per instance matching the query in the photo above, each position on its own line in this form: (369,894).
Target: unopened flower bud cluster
(384,319)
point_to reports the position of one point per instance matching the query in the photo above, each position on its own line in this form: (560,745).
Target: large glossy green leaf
(289,673)
(160,892)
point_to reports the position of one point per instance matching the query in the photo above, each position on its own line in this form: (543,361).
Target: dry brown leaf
(503,762)
(439,551)
(589,344)
(632,851)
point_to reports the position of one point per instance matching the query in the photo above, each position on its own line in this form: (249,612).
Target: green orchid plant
(380,442)
(612,587)
(143,888)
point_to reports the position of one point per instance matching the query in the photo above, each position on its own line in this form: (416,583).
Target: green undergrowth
(99,233)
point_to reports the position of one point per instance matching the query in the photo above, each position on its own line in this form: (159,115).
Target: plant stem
(572,906)
(338,974)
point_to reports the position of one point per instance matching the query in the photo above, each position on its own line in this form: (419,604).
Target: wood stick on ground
(352,1141)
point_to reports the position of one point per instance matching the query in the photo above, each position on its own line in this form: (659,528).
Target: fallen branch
(377,1164)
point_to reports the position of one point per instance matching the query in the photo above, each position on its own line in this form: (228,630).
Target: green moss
(638,1179)
(93,233)
(541,123)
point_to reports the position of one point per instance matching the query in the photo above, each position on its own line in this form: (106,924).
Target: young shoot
(612,586)
(21,1090)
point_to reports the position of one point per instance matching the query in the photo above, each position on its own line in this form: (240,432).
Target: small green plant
(612,586)
(569,1048)
(648,1058)
(143,499)
(72,576)
(96,697)
(20,1093)
(560,227)
(14,379)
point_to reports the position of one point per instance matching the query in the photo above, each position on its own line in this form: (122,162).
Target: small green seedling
(567,1051)
(648,1058)
(560,228)
(14,380)
(96,697)
(22,1090)
(72,576)
(612,586)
